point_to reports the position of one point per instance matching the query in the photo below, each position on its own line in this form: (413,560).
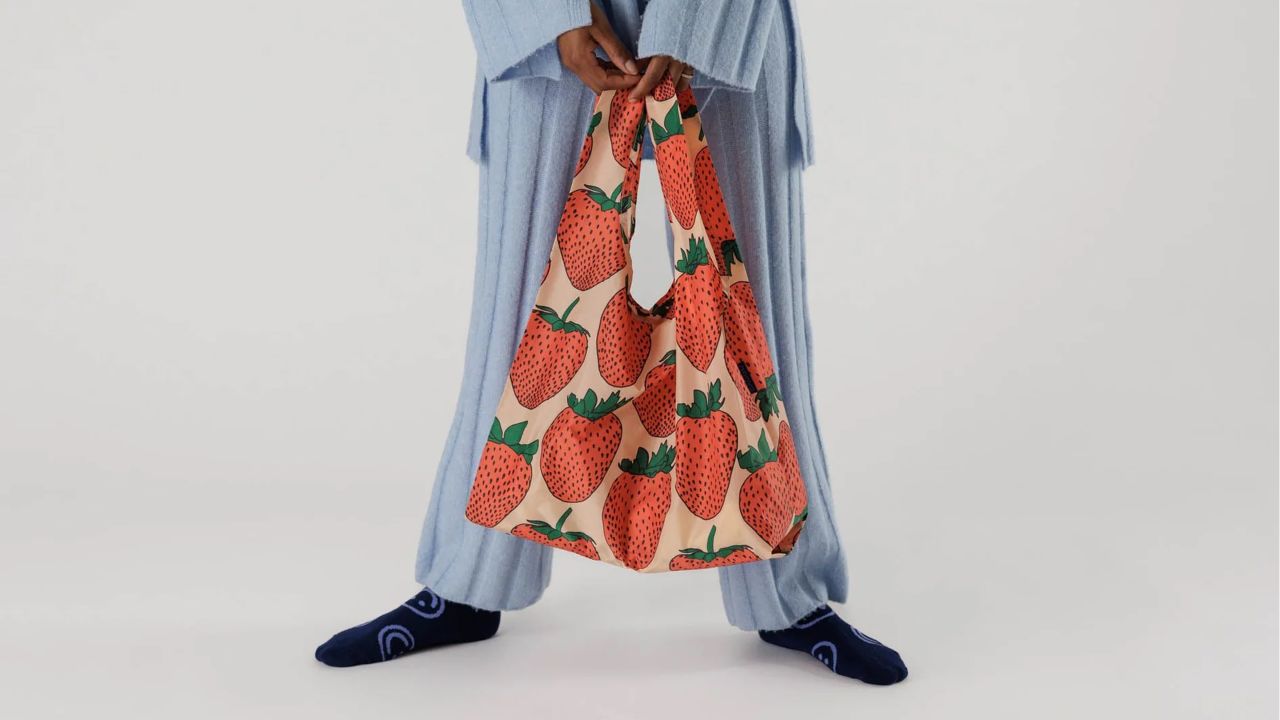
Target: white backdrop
(235,259)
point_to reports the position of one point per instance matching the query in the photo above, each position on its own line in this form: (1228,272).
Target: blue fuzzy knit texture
(526,137)
(727,42)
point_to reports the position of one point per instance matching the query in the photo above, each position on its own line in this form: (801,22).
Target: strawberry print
(792,480)
(590,457)
(578,448)
(557,537)
(549,355)
(707,439)
(688,103)
(656,405)
(587,146)
(623,114)
(762,502)
(746,354)
(592,243)
(699,304)
(665,90)
(636,507)
(675,171)
(715,218)
(697,559)
(504,475)
(788,541)
(727,254)
(623,341)
(631,189)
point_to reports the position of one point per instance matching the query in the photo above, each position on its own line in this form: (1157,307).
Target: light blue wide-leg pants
(532,135)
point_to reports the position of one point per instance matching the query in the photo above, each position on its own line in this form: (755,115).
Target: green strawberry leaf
(643,464)
(754,458)
(592,408)
(673,124)
(693,257)
(729,249)
(512,435)
(704,403)
(560,322)
(769,397)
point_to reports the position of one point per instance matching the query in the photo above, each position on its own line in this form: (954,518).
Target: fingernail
(630,65)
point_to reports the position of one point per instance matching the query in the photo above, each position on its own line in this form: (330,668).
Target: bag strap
(690,186)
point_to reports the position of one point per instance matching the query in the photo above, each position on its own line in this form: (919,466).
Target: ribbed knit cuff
(514,38)
(724,40)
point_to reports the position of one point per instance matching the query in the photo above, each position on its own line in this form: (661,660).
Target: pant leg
(753,143)
(532,133)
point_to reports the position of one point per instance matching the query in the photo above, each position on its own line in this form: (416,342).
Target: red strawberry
(675,171)
(623,341)
(764,506)
(707,439)
(715,218)
(695,559)
(578,448)
(636,507)
(726,255)
(549,355)
(588,144)
(624,117)
(699,304)
(792,480)
(590,235)
(543,532)
(688,103)
(746,353)
(665,90)
(502,480)
(656,406)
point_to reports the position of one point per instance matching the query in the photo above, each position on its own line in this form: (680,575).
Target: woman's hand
(578,53)
(658,66)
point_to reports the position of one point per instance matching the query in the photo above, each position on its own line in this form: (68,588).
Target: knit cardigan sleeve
(724,40)
(516,38)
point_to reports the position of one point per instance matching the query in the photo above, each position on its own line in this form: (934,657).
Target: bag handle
(690,188)
(699,221)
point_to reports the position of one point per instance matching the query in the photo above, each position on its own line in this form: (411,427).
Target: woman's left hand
(656,68)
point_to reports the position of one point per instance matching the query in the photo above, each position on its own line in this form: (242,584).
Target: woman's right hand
(578,53)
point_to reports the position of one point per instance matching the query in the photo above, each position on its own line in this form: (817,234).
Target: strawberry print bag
(652,438)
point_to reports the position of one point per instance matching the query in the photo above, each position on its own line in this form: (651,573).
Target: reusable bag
(652,438)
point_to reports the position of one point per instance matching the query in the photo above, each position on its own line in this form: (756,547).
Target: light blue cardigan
(725,40)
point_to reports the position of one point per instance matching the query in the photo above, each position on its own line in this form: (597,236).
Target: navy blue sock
(426,620)
(841,647)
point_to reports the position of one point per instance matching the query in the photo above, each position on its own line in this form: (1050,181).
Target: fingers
(652,76)
(597,74)
(599,78)
(614,49)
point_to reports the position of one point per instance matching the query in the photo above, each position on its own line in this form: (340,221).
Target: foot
(841,647)
(425,621)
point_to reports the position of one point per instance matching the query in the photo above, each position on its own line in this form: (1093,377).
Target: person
(529,116)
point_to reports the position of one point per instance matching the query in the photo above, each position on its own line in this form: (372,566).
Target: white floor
(215,615)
